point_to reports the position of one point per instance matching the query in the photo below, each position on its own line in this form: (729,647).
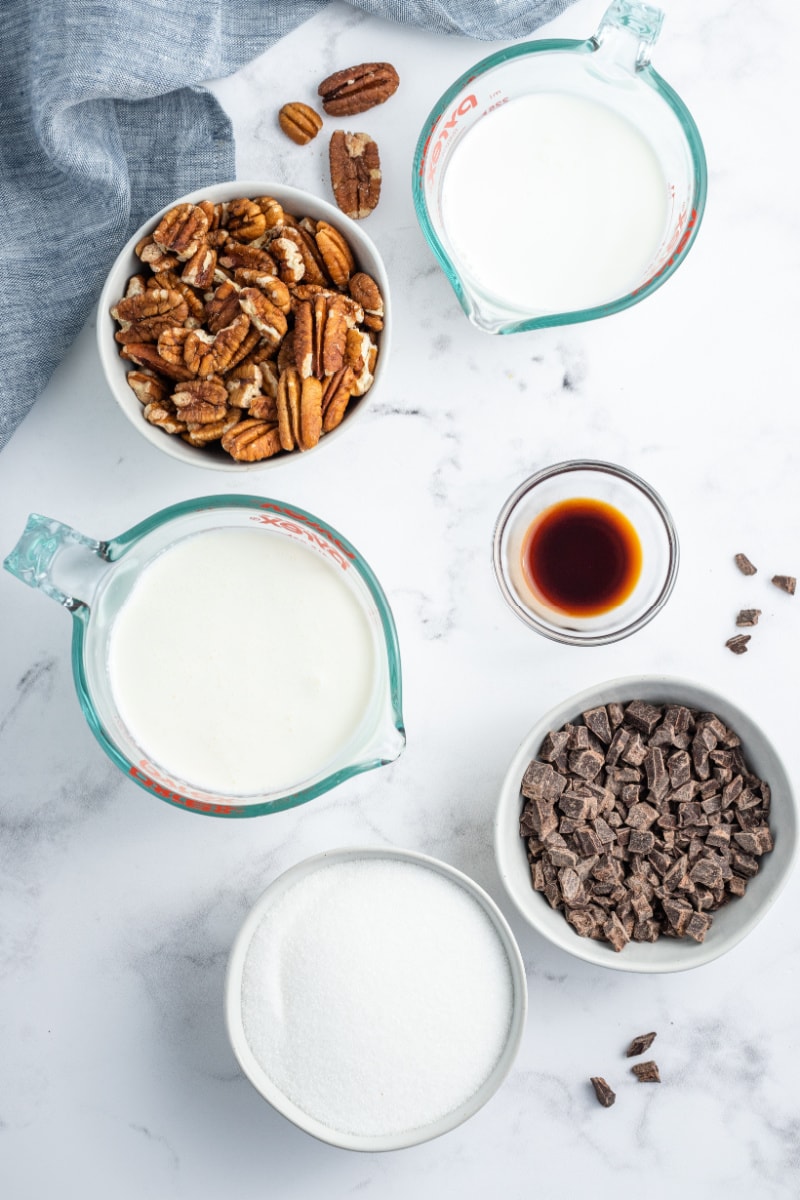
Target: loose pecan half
(356,89)
(299,122)
(355,173)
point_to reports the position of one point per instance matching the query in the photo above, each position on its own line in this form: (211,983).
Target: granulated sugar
(376,995)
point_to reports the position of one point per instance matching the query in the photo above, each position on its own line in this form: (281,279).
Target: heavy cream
(554,203)
(241,661)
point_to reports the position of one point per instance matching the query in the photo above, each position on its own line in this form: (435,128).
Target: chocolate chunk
(698,926)
(597,720)
(744,564)
(586,763)
(641,816)
(542,780)
(635,751)
(603,1092)
(615,933)
(646,1072)
(641,841)
(616,714)
(679,767)
(639,1044)
(553,744)
(738,644)
(748,616)
(787,583)
(642,716)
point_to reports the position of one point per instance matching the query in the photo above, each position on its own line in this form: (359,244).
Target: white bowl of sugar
(375,997)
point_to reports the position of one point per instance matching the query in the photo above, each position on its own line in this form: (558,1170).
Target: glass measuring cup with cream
(234,655)
(559,181)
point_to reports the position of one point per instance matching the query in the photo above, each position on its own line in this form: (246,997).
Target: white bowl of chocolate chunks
(646,824)
(244,323)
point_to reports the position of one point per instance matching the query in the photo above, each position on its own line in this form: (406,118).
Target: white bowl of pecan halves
(244,323)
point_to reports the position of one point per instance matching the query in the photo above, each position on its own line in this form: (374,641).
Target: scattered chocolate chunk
(646,1072)
(748,616)
(639,1044)
(603,1092)
(787,583)
(738,644)
(643,827)
(744,564)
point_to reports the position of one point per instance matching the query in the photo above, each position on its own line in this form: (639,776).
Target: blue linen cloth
(103,121)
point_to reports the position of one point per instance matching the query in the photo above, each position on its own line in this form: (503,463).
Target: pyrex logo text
(466,104)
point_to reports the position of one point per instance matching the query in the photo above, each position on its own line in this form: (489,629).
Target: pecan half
(163,414)
(299,404)
(182,230)
(148,387)
(240,254)
(252,441)
(356,89)
(272,287)
(200,435)
(201,401)
(223,306)
(266,317)
(244,220)
(145,354)
(244,385)
(156,258)
(199,270)
(169,279)
(355,173)
(336,254)
(320,333)
(207,355)
(335,398)
(299,122)
(366,292)
(360,355)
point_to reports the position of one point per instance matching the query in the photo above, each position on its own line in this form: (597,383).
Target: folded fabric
(92,94)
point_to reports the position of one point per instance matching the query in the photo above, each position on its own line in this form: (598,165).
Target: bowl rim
(675,954)
(275,1097)
(108,350)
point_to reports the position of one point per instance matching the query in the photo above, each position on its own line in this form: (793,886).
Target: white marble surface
(118,911)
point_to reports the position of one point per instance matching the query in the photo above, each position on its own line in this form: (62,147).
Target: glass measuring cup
(612,72)
(66,565)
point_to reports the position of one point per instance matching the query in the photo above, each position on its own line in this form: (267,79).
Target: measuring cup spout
(626,36)
(48,553)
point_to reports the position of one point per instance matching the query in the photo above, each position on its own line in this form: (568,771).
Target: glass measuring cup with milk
(233,655)
(559,181)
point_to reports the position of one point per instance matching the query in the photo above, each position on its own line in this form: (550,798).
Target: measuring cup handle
(35,555)
(627,33)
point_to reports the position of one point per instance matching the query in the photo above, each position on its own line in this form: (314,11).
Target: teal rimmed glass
(611,68)
(68,566)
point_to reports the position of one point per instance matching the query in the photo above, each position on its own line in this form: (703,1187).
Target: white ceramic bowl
(734,920)
(276,1096)
(299,204)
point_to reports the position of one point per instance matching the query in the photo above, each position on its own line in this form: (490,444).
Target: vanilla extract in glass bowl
(585,552)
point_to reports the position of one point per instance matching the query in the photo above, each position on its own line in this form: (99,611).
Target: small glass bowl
(614,485)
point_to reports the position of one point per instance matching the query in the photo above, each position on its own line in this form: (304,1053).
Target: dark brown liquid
(582,557)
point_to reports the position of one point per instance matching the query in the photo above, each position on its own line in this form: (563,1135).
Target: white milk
(241,661)
(554,203)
